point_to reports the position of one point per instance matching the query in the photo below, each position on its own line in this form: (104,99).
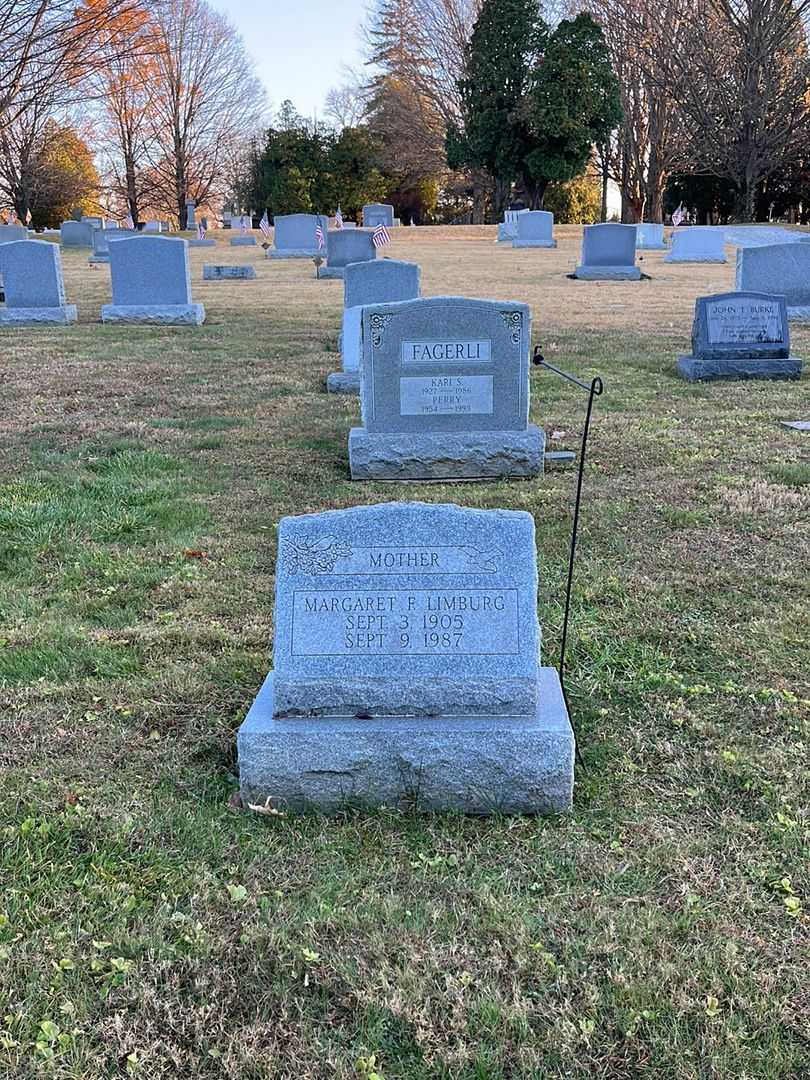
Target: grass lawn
(151,928)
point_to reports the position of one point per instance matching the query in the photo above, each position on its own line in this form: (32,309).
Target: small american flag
(338,219)
(380,237)
(319,235)
(201,231)
(678,216)
(128,222)
(243,225)
(264,225)
(28,216)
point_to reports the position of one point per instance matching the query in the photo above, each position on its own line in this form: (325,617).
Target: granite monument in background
(608,253)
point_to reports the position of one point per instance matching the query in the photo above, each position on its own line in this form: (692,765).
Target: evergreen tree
(507,39)
(572,104)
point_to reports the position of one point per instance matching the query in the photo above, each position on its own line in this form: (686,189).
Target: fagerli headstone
(378,282)
(740,335)
(650,236)
(407,667)
(444,392)
(151,282)
(375,214)
(783,269)
(608,253)
(344,246)
(534,228)
(76,234)
(228,273)
(31,271)
(294,236)
(697,244)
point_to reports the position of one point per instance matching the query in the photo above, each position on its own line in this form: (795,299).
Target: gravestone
(153,227)
(535,228)
(344,246)
(294,236)
(31,271)
(650,236)
(377,282)
(608,253)
(151,283)
(740,335)
(76,234)
(228,273)
(783,269)
(375,214)
(507,229)
(191,206)
(95,221)
(197,243)
(10,233)
(697,244)
(243,240)
(101,243)
(407,668)
(444,392)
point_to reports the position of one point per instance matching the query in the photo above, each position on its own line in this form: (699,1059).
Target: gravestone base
(608,273)
(293,253)
(343,382)
(799,314)
(673,258)
(154,314)
(438,456)
(697,369)
(550,244)
(202,243)
(476,765)
(98,259)
(652,247)
(36,315)
(225,273)
(331,272)
(243,241)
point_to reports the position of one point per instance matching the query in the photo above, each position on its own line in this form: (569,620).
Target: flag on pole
(128,222)
(201,231)
(678,216)
(319,234)
(338,219)
(264,225)
(380,237)
(28,216)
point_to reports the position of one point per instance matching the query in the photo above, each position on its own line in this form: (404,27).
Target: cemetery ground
(149,927)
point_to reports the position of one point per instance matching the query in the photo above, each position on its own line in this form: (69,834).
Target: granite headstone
(608,253)
(151,282)
(344,246)
(76,234)
(101,243)
(444,392)
(783,269)
(294,236)
(534,228)
(10,233)
(31,271)
(377,282)
(407,668)
(375,214)
(228,273)
(740,335)
(697,244)
(650,236)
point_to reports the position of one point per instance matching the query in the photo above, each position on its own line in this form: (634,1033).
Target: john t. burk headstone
(407,667)
(740,335)
(151,282)
(31,272)
(377,282)
(444,392)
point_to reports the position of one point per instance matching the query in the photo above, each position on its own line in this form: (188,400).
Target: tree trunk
(603,209)
(479,200)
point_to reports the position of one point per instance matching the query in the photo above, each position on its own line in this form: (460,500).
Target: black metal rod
(593,389)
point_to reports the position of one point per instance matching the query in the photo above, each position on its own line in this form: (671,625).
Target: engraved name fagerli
(405,622)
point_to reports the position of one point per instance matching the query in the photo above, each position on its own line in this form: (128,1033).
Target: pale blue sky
(300,46)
